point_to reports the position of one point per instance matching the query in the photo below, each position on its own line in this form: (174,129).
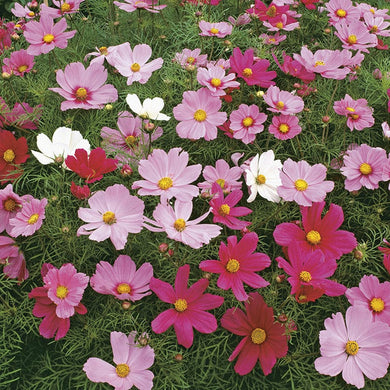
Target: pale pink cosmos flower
(355,36)
(19,63)
(273,39)
(369,9)
(386,130)
(84,88)
(376,25)
(283,102)
(44,35)
(175,222)
(190,57)
(199,115)
(10,204)
(304,183)
(285,127)
(23,12)
(133,5)
(132,63)
(122,280)
(358,113)
(65,287)
(13,259)
(113,213)
(342,10)
(215,79)
(103,53)
(167,175)
(363,167)
(246,122)
(241,20)
(63,8)
(219,30)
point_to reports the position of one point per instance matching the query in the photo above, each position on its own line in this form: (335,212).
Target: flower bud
(163,247)
(126,305)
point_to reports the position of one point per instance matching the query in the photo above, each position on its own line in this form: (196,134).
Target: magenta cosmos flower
(282,101)
(238,264)
(122,279)
(355,347)
(317,233)
(10,204)
(65,287)
(219,30)
(304,183)
(175,222)
(167,175)
(358,113)
(113,214)
(133,5)
(264,340)
(44,35)
(84,88)
(373,297)
(131,364)
(199,115)
(355,36)
(190,305)
(363,167)
(246,122)
(19,63)
(285,127)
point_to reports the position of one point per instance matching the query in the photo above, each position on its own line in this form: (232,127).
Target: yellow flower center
(9,155)
(372,10)
(224,210)
(62,292)
(305,276)
(200,115)
(272,11)
(350,109)
(48,38)
(165,183)
(352,39)
(65,7)
(9,204)
(131,140)
(181,305)
(214,30)
(280,105)
(180,224)
(319,63)
(33,219)
(232,266)
(135,67)
(123,288)
(190,60)
(351,348)
(81,94)
(341,13)
(377,305)
(22,68)
(355,117)
(313,237)
(279,25)
(374,28)
(260,179)
(258,336)
(220,182)
(109,218)
(248,121)
(301,185)
(247,72)
(103,50)
(122,370)
(215,82)
(284,128)
(365,169)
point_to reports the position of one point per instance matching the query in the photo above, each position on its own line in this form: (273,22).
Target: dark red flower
(80,192)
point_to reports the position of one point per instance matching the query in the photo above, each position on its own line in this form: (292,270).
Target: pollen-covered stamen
(305,276)
(284,128)
(62,292)
(355,117)
(319,63)
(200,115)
(109,218)
(9,155)
(122,370)
(374,29)
(365,169)
(214,30)
(135,67)
(33,219)
(247,72)
(31,14)
(65,7)
(350,109)
(131,140)
(247,122)
(351,348)
(9,204)
(180,224)
(81,94)
(279,25)
(22,68)
(377,305)
(221,183)
(181,305)
(260,179)
(301,185)
(224,210)
(341,13)
(103,50)
(215,82)
(48,38)
(352,39)
(280,105)
(232,266)
(123,288)
(271,11)
(313,237)
(165,183)
(258,336)
(190,60)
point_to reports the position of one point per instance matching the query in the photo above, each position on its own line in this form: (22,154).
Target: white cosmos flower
(263,177)
(63,144)
(150,109)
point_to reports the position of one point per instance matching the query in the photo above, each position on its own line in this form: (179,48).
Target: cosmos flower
(283,102)
(19,63)
(285,126)
(219,30)
(133,5)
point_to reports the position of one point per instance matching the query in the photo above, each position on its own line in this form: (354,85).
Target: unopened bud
(163,247)
(170,252)
(357,254)
(280,278)
(108,107)
(327,30)
(6,75)
(179,357)
(126,305)
(325,118)
(126,171)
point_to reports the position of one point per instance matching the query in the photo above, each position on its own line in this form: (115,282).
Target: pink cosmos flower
(282,101)
(386,130)
(238,264)
(10,205)
(241,20)
(167,175)
(131,63)
(103,53)
(44,35)
(132,362)
(253,72)
(365,9)
(190,57)
(175,223)
(273,39)
(23,12)
(363,167)
(122,279)
(358,113)
(246,122)
(316,233)
(264,12)
(281,22)
(133,5)
(355,347)
(19,63)
(215,80)
(29,219)
(65,287)
(219,30)
(13,259)
(355,36)
(190,305)
(285,126)
(342,10)
(199,115)
(63,8)
(22,115)
(294,68)
(376,24)
(223,175)
(312,270)
(113,214)
(224,209)
(264,339)
(304,183)
(84,88)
